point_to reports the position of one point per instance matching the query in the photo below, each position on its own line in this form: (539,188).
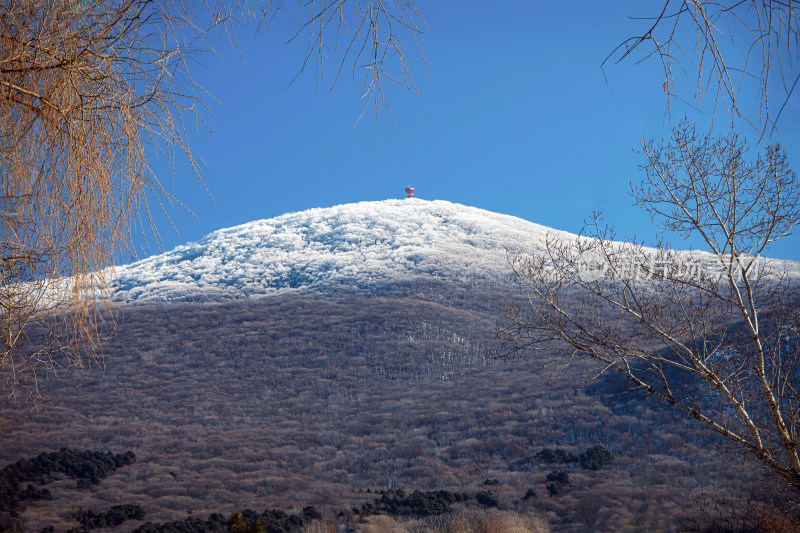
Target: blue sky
(515,117)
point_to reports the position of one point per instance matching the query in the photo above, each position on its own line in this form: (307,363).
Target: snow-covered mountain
(361,245)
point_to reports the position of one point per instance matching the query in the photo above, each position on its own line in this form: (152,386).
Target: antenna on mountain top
(410,192)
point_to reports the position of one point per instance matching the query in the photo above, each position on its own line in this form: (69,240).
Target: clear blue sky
(514,117)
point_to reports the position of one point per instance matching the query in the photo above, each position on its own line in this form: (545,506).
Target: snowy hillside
(361,244)
(354,244)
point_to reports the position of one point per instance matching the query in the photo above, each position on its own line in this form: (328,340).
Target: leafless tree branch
(716,335)
(89,91)
(735,50)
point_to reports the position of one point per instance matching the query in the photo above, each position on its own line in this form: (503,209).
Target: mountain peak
(360,244)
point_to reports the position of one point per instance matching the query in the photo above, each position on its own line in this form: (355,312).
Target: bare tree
(378,29)
(89,91)
(715,334)
(736,52)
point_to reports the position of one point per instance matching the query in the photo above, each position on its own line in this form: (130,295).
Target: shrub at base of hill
(88,519)
(594,458)
(418,503)
(87,467)
(487,499)
(557,483)
(11,497)
(556,456)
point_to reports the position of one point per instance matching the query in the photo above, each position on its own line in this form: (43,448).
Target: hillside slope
(290,400)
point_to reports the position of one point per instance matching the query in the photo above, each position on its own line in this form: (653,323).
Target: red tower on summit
(410,192)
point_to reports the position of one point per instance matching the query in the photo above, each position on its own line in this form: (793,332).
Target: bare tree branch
(737,51)
(89,91)
(716,335)
(374,39)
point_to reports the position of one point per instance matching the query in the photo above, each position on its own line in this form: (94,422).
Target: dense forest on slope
(323,399)
(18,481)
